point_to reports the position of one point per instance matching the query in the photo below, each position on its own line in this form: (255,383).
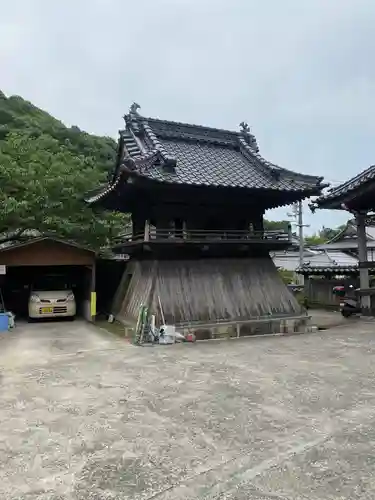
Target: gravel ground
(85,415)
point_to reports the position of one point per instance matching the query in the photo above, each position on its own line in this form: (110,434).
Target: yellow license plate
(47,310)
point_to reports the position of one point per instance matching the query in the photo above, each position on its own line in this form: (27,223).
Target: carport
(22,264)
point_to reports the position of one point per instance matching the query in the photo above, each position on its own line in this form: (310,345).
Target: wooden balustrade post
(184,230)
(147,231)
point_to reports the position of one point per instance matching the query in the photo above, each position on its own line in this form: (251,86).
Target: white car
(52,304)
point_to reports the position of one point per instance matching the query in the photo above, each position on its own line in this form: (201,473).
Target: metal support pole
(297,215)
(93,293)
(301,240)
(364,281)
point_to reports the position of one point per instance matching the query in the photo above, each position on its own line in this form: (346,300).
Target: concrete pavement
(84,415)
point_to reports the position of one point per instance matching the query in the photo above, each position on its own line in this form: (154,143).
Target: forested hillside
(45,170)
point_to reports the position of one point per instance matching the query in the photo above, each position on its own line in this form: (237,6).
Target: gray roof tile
(208,156)
(180,153)
(345,189)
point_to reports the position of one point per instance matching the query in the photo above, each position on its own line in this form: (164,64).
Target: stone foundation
(269,326)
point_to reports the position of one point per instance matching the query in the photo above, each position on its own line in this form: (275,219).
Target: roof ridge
(134,116)
(193,125)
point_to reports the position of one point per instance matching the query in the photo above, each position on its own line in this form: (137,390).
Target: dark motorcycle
(349,307)
(350,303)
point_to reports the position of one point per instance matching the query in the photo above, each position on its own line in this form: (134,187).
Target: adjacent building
(356,196)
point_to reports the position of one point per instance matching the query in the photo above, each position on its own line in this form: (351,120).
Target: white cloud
(300,72)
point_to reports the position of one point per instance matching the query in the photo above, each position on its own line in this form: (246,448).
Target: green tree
(324,235)
(42,188)
(275,225)
(328,233)
(286,276)
(315,239)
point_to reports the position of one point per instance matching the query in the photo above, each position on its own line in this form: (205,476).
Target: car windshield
(51,283)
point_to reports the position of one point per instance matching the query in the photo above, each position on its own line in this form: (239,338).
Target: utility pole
(301,240)
(297,215)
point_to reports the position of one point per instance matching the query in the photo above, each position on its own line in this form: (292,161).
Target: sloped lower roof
(11,245)
(330,261)
(314,259)
(178,153)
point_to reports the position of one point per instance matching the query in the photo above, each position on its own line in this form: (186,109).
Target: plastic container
(169,334)
(4,322)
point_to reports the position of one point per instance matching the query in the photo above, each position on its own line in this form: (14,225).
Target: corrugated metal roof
(344,245)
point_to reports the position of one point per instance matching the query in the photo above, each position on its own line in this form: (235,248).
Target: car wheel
(345,313)
(30,320)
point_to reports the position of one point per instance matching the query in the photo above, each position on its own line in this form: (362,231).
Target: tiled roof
(314,259)
(179,153)
(345,189)
(219,166)
(330,261)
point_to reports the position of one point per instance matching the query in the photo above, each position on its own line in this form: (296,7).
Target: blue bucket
(4,322)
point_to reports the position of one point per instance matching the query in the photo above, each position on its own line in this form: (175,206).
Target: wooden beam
(367,265)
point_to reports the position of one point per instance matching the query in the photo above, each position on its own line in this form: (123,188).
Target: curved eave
(349,191)
(105,191)
(289,195)
(132,178)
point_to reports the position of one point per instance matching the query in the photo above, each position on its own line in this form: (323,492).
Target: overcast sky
(300,72)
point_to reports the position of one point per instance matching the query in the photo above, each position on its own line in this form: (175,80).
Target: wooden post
(258,224)
(364,281)
(138,223)
(179,228)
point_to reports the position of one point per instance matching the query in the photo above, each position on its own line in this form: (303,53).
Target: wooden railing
(206,235)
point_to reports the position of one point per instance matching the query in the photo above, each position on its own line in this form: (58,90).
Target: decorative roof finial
(134,108)
(245,129)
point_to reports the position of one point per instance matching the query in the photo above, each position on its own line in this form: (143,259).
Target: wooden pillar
(258,223)
(163,227)
(138,223)
(364,281)
(179,227)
